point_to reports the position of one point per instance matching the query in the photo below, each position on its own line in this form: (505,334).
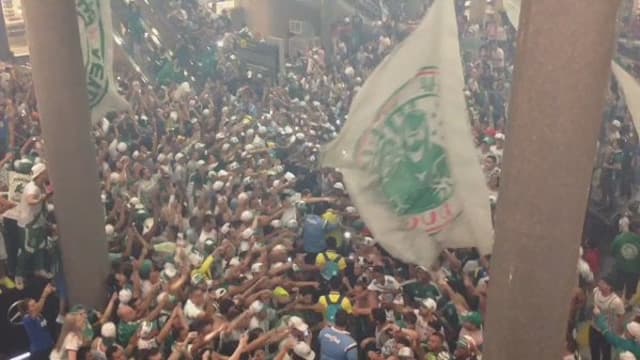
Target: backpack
(331,268)
(333,308)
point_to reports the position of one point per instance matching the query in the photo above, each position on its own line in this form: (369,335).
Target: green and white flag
(406,151)
(94,21)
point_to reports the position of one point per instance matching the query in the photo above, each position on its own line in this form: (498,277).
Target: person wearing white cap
(498,148)
(32,223)
(423,287)
(630,339)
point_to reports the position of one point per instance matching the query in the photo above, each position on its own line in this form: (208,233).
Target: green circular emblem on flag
(404,151)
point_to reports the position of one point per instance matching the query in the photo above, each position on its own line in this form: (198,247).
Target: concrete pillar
(555,115)
(61,92)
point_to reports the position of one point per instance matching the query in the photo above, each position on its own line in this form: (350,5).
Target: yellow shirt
(334,296)
(333,219)
(321,260)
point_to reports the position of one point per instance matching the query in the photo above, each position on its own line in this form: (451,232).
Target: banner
(17,182)
(512,8)
(94,21)
(406,151)
(631,91)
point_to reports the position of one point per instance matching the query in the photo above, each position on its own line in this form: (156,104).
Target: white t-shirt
(71,343)
(191,311)
(29,212)
(611,306)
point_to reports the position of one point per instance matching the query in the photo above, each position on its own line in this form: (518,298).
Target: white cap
(297,323)
(162,157)
(430,304)
(124,296)
(108,330)
(114,177)
(222,173)
(351,209)
(627,356)
(292,224)
(235,261)
(276,223)
(225,147)
(250,132)
(108,229)
(256,306)
(122,147)
(244,246)
(616,123)
(37,170)
(300,136)
(225,228)
(405,352)
(247,233)
(220,293)
(246,216)
(289,176)
(206,112)
(633,328)
(369,241)
(303,350)
(338,186)
(218,185)
(256,267)
(499,136)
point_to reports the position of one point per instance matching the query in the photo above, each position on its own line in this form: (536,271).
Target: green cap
(474,318)
(145,269)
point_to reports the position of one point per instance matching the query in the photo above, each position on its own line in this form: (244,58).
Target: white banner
(94,21)
(406,151)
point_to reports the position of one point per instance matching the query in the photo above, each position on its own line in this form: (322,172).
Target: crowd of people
(228,241)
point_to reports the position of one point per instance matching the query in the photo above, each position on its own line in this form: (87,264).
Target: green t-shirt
(626,251)
(419,291)
(126,330)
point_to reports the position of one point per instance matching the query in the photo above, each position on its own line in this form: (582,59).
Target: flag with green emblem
(96,37)
(406,151)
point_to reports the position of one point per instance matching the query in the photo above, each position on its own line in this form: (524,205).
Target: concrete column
(58,73)
(555,116)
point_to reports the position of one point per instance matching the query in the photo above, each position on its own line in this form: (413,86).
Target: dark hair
(379,315)
(83,351)
(439,336)
(335,283)
(332,243)
(492,157)
(151,352)
(110,351)
(634,226)
(208,219)
(342,318)
(410,318)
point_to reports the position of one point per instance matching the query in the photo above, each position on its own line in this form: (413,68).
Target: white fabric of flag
(96,37)
(406,150)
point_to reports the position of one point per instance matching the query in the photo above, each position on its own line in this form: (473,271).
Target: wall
(271,17)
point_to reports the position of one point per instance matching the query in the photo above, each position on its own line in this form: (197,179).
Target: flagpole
(563,64)
(61,92)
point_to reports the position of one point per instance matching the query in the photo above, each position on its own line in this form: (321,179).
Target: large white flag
(94,21)
(406,151)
